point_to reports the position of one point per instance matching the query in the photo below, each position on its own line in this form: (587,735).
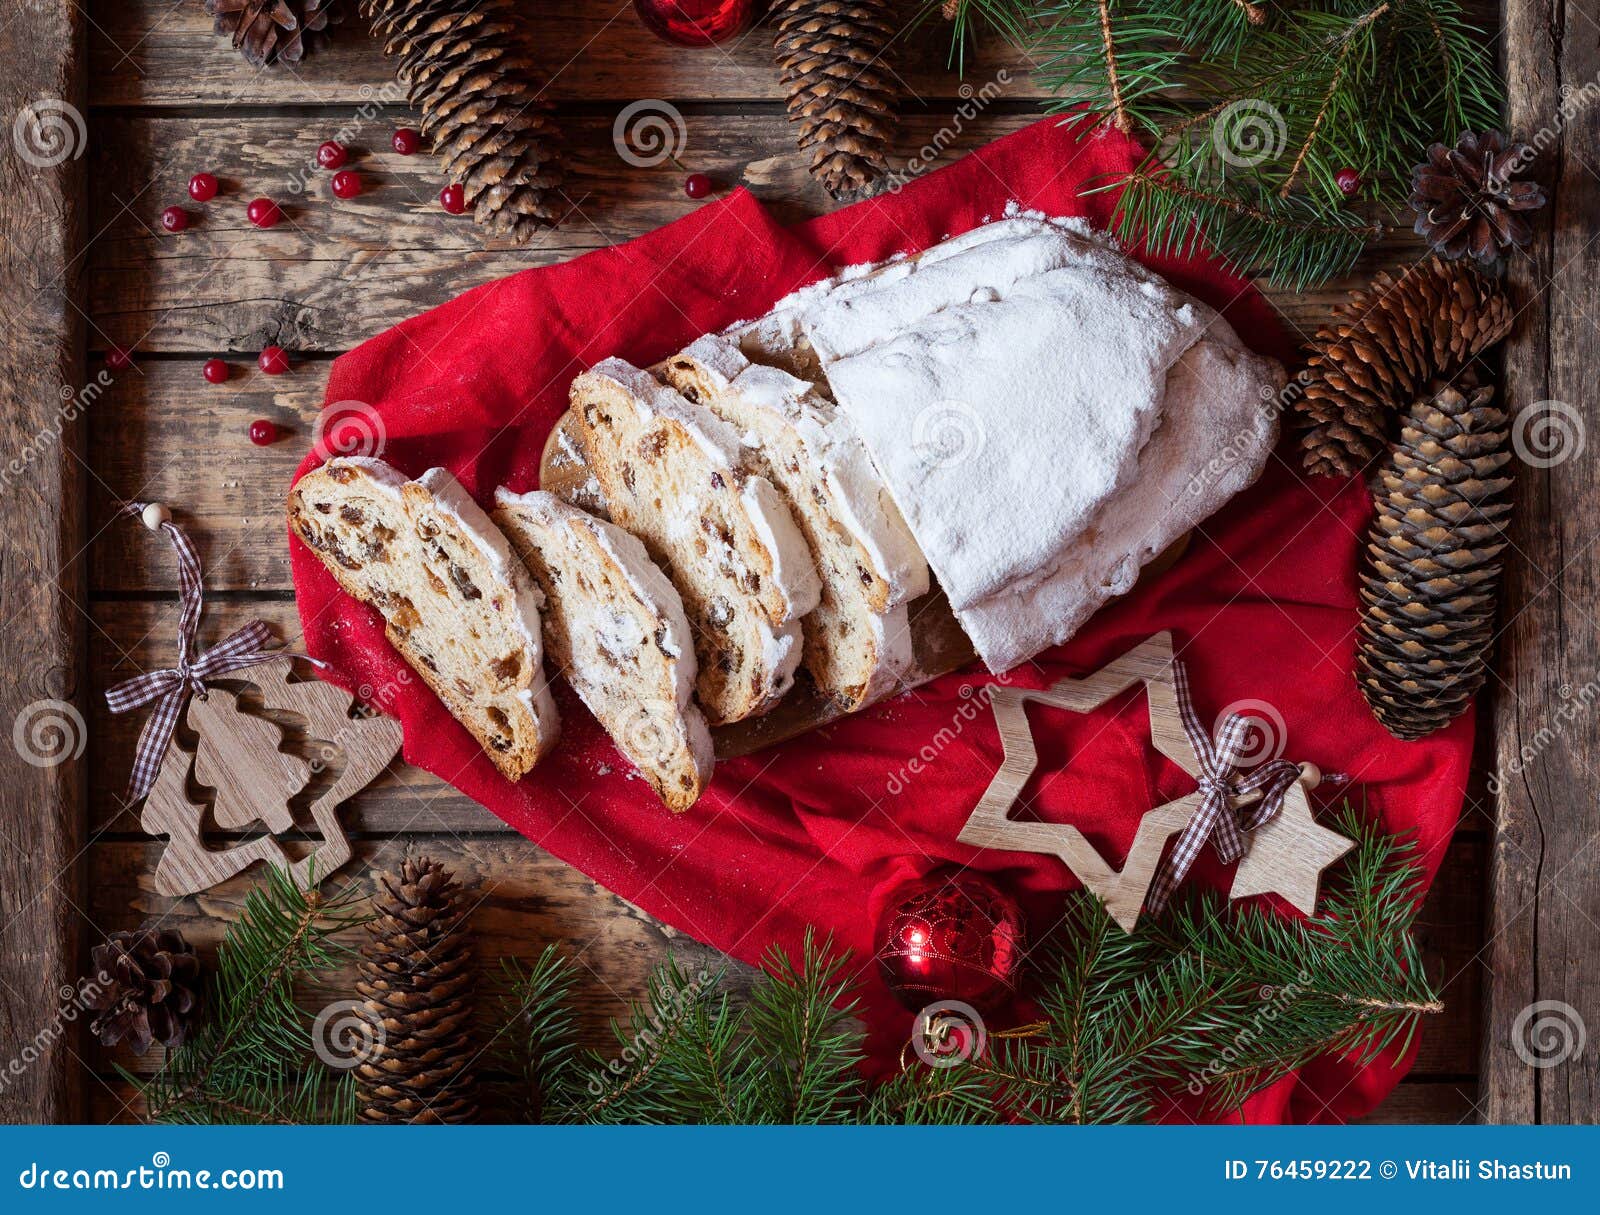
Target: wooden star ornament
(1286,855)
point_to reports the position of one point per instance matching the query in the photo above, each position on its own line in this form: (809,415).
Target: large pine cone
(418,981)
(145,987)
(832,64)
(266,31)
(1383,349)
(1428,593)
(465,64)
(1468,198)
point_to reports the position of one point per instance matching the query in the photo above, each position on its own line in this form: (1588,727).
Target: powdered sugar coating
(718,440)
(775,528)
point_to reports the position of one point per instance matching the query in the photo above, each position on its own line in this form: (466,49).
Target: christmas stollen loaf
(456,602)
(615,628)
(857,638)
(673,474)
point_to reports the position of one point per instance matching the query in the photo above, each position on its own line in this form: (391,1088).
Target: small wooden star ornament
(1289,852)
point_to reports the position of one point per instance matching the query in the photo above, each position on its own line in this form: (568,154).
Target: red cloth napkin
(814,832)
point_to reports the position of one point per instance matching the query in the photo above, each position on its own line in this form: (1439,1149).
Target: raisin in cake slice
(672,473)
(857,641)
(615,627)
(456,602)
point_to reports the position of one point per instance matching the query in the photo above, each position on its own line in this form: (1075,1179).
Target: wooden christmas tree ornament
(238,756)
(1286,854)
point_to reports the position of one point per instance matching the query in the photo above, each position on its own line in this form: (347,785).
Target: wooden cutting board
(939,645)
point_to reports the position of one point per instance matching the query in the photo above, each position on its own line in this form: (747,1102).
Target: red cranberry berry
(264,213)
(273,360)
(453,199)
(346,183)
(331,154)
(215,371)
(1348,181)
(263,433)
(119,358)
(174,219)
(406,141)
(697,185)
(202,187)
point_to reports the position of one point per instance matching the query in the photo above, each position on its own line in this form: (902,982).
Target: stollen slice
(672,473)
(857,642)
(615,628)
(456,602)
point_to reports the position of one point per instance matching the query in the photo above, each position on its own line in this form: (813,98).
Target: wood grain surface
(1541,1060)
(41,576)
(167,98)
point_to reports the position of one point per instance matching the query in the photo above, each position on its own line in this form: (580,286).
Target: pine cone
(465,64)
(1428,593)
(266,31)
(1385,346)
(832,64)
(146,987)
(418,982)
(1467,197)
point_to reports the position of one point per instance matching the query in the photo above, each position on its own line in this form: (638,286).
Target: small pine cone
(418,983)
(145,987)
(1430,584)
(466,65)
(1468,199)
(1384,347)
(267,31)
(833,67)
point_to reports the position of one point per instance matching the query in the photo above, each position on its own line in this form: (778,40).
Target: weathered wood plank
(1429,1103)
(41,577)
(153,52)
(531,899)
(1545,890)
(335,273)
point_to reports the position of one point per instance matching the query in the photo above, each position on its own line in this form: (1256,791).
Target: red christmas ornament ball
(1348,181)
(331,154)
(346,184)
(273,360)
(215,371)
(203,187)
(263,433)
(453,199)
(695,22)
(697,185)
(263,212)
(406,141)
(174,219)
(952,935)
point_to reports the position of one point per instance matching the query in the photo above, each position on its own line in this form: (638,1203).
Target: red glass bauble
(952,935)
(695,22)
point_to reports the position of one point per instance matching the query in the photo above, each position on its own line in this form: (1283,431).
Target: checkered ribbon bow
(1217,819)
(172,688)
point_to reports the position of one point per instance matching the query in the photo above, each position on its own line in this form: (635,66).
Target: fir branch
(252,1060)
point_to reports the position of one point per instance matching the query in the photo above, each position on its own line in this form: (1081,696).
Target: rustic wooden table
(86,266)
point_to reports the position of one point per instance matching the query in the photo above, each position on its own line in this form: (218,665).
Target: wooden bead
(154,516)
(1310,775)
